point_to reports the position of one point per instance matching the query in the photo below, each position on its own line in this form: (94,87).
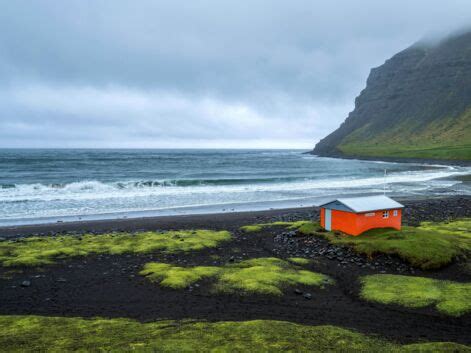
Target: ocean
(45,185)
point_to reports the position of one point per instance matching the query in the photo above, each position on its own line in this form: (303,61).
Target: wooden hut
(355,215)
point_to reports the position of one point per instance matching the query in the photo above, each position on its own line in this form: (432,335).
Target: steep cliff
(416,105)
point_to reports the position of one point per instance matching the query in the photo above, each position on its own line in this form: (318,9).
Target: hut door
(328,219)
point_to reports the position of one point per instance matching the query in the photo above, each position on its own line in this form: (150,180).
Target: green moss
(446,138)
(451,298)
(176,277)
(261,226)
(397,151)
(260,276)
(252,228)
(39,334)
(432,347)
(308,228)
(299,260)
(429,246)
(266,276)
(45,250)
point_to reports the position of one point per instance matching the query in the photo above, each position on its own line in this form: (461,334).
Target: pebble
(26,283)
(308,296)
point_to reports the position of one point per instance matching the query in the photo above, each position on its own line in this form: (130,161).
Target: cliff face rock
(417,104)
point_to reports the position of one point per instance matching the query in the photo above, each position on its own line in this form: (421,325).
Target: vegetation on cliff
(416,105)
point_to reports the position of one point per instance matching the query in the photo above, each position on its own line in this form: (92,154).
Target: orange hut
(355,215)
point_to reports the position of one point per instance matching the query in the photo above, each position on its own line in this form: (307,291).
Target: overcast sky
(263,74)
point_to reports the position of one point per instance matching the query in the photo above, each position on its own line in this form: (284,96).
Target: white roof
(367,203)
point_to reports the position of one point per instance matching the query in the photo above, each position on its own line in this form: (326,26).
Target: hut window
(395,213)
(385,214)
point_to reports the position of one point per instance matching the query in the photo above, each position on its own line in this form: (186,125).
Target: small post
(384,185)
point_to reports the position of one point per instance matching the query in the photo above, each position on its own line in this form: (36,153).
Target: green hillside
(443,139)
(416,105)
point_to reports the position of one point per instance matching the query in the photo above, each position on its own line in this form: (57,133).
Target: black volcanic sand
(109,286)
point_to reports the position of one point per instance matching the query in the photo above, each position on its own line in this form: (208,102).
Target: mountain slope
(416,105)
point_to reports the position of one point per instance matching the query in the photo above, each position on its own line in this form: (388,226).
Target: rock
(26,283)
(397,94)
(307,296)
(298,291)
(61,280)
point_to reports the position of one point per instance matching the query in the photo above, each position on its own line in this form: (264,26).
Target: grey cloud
(293,67)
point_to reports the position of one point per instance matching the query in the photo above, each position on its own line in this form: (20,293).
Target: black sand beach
(109,285)
(417,210)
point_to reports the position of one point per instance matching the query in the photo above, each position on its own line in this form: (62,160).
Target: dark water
(40,185)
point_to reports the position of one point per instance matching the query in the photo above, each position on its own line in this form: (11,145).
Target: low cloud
(196,74)
(122,117)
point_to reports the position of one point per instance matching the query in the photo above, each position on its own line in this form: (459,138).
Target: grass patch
(299,260)
(177,277)
(451,298)
(444,138)
(36,251)
(254,276)
(396,151)
(428,246)
(59,334)
(253,228)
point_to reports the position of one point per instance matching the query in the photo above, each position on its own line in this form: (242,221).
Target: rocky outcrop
(415,103)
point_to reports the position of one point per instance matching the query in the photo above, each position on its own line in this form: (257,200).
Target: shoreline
(289,202)
(444,162)
(439,205)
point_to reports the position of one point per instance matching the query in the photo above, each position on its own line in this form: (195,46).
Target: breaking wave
(93,189)
(61,183)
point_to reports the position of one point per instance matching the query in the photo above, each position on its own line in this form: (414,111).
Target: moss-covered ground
(41,334)
(451,298)
(252,228)
(36,251)
(260,276)
(428,246)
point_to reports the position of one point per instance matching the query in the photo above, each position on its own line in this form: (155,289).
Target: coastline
(84,196)
(420,208)
(444,162)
